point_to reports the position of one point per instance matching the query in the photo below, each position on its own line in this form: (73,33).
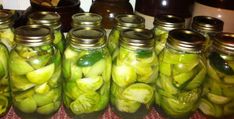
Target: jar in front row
(35,69)
(182,71)
(6,28)
(5,98)
(134,71)
(162,25)
(86,20)
(87,71)
(218,100)
(208,27)
(123,21)
(52,20)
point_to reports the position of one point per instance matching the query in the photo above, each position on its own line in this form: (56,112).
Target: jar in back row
(134,70)
(86,20)
(52,20)
(35,73)
(182,71)
(87,71)
(208,27)
(162,25)
(6,28)
(218,100)
(123,21)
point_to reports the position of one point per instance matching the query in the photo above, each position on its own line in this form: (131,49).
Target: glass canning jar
(123,21)
(35,73)
(87,71)
(182,71)
(162,25)
(6,28)
(86,20)
(208,27)
(134,71)
(5,97)
(52,20)
(218,100)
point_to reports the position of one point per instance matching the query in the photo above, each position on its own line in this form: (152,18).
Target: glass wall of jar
(182,71)
(5,97)
(162,25)
(52,20)
(86,20)
(123,21)
(218,100)
(208,27)
(35,69)
(134,70)
(6,29)
(87,71)
(109,9)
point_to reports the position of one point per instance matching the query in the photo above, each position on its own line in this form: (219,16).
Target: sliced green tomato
(229,79)
(46,109)
(143,69)
(76,72)
(128,106)
(19,83)
(97,68)
(41,75)
(107,72)
(123,75)
(44,99)
(213,87)
(7,37)
(218,99)
(3,104)
(165,69)
(228,90)
(66,68)
(229,108)
(71,90)
(113,40)
(139,92)
(70,54)
(39,61)
(2,71)
(56,79)
(90,84)
(197,80)
(158,98)
(58,40)
(103,102)
(18,65)
(166,83)
(28,105)
(182,68)
(90,59)
(210,109)
(23,95)
(42,89)
(85,103)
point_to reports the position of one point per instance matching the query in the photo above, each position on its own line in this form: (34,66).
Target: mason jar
(218,100)
(86,20)
(162,25)
(182,71)
(87,71)
(6,28)
(35,73)
(134,70)
(5,97)
(52,20)
(208,27)
(123,21)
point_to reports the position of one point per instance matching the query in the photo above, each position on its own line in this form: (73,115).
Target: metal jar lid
(87,37)
(45,18)
(224,42)
(169,22)
(130,21)
(137,38)
(6,17)
(185,40)
(207,24)
(86,19)
(33,35)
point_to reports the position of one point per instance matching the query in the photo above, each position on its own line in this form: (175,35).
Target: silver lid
(33,35)
(6,17)
(224,42)
(86,19)
(130,21)
(169,22)
(185,40)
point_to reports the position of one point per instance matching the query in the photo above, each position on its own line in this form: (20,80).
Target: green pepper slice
(90,59)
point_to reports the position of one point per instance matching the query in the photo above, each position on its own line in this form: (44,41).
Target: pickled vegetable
(178,86)
(7,37)
(160,39)
(59,40)
(35,77)
(87,84)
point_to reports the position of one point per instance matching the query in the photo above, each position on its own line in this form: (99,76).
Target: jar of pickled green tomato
(218,100)
(123,21)
(162,25)
(182,71)
(87,71)
(6,28)
(208,27)
(134,71)
(52,20)
(35,73)
(5,98)
(86,20)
